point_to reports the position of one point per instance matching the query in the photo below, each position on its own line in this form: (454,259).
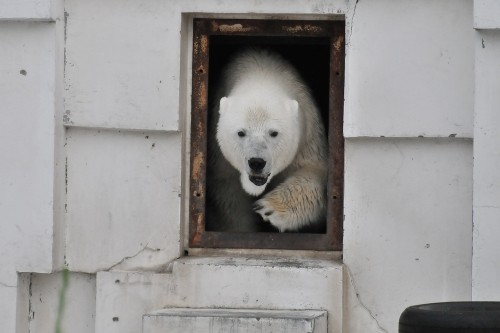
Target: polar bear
(269,155)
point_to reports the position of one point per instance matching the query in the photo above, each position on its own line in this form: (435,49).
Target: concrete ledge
(186,320)
(261,261)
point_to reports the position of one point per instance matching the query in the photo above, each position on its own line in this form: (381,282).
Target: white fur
(266,112)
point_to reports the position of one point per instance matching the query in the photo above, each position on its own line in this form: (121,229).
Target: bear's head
(258,136)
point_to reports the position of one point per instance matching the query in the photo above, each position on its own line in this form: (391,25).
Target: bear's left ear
(292,106)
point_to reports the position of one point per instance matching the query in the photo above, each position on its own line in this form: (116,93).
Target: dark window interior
(309,55)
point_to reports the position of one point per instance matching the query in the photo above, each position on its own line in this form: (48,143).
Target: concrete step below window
(184,320)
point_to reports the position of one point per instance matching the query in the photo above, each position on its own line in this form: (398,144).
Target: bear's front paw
(277,217)
(263,208)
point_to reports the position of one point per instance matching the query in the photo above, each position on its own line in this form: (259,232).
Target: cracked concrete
(358,317)
(351,22)
(138,261)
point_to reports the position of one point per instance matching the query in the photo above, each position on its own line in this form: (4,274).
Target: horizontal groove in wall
(423,138)
(120,129)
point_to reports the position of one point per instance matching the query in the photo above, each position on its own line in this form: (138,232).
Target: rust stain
(199,230)
(301,28)
(338,43)
(201,129)
(197,165)
(202,96)
(312,28)
(297,28)
(196,46)
(215,26)
(234,28)
(204,43)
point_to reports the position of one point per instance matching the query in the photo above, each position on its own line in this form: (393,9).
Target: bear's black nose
(256,164)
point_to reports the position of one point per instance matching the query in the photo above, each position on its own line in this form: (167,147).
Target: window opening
(316,50)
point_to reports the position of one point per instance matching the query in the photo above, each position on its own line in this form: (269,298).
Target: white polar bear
(269,155)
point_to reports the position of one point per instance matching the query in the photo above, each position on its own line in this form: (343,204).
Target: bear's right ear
(223,105)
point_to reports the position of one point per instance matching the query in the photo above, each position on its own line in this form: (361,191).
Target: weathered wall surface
(95,121)
(221,283)
(134,49)
(486,262)
(27,137)
(410,73)
(408,186)
(32,10)
(124,178)
(408,225)
(78,311)
(123,186)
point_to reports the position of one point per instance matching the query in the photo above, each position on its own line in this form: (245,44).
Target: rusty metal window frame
(198,236)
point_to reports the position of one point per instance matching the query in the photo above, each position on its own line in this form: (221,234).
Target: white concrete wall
(103,194)
(486,14)
(410,69)
(486,263)
(27,137)
(408,178)
(30,10)
(128,85)
(122,65)
(123,201)
(408,225)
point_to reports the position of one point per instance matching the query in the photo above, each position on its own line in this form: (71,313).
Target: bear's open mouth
(258,180)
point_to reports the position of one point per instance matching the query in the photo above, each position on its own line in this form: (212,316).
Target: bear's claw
(263,208)
(282,220)
(257,207)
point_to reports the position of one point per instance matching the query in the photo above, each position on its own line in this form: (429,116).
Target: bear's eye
(273,134)
(241,134)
